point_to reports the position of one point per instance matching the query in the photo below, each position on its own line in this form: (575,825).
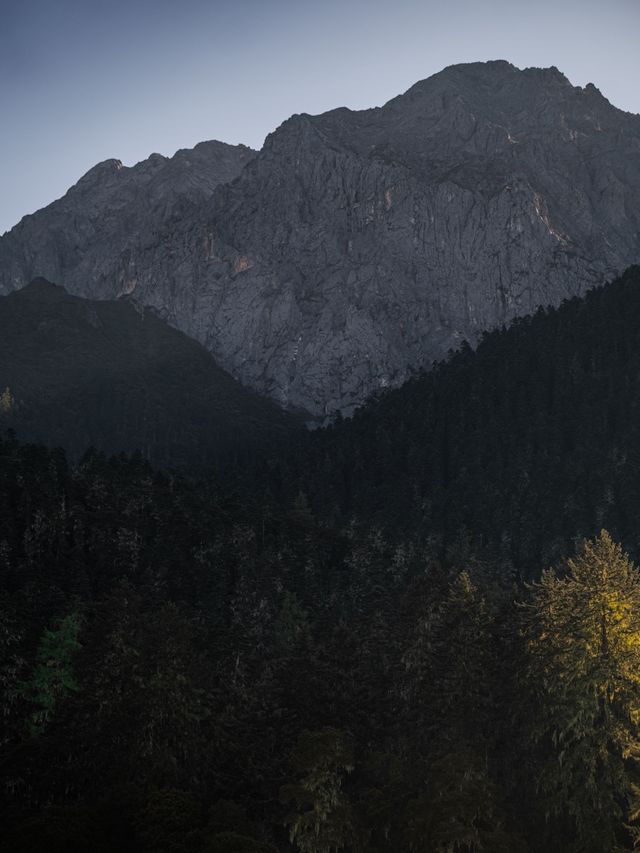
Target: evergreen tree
(322,820)
(460,808)
(12,665)
(7,401)
(169,822)
(53,676)
(460,811)
(584,671)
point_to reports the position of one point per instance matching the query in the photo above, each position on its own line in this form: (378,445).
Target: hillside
(511,452)
(111,375)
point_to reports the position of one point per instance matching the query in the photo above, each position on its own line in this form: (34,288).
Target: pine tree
(7,401)
(169,822)
(53,676)
(584,670)
(292,623)
(460,808)
(322,819)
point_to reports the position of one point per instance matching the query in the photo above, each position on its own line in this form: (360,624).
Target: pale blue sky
(81,81)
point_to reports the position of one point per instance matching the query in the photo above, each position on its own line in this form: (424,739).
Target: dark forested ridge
(112,375)
(517,449)
(339,652)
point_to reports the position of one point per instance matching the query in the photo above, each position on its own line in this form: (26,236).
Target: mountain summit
(359,246)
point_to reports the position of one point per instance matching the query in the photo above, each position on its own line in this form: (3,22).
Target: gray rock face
(113,216)
(359,246)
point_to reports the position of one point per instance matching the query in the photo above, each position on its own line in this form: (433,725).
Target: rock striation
(98,233)
(357,247)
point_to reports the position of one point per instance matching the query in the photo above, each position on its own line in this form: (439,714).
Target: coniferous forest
(414,630)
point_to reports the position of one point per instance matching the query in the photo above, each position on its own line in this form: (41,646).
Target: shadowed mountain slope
(111,375)
(514,450)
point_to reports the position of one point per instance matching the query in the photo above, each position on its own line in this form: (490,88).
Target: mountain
(110,374)
(357,247)
(93,237)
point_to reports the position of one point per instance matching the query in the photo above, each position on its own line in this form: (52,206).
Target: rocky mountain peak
(100,173)
(358,246)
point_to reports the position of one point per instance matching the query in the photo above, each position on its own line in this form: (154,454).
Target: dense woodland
(515,450)
(408,632)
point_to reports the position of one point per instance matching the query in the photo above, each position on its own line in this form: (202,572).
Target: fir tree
(584,668)
(7,401)
(460,808)
(53,676)
(322,819)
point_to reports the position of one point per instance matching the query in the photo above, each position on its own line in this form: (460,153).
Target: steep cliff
(94,236)
(358,246)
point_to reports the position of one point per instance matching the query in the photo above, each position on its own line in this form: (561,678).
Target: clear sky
(84,80)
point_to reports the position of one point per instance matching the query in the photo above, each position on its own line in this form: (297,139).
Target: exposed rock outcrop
(94,236)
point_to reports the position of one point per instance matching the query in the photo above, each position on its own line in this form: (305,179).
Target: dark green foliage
(225,678)
(321,819)
(169,822)
(60,829)
(53,676)
(459,812)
